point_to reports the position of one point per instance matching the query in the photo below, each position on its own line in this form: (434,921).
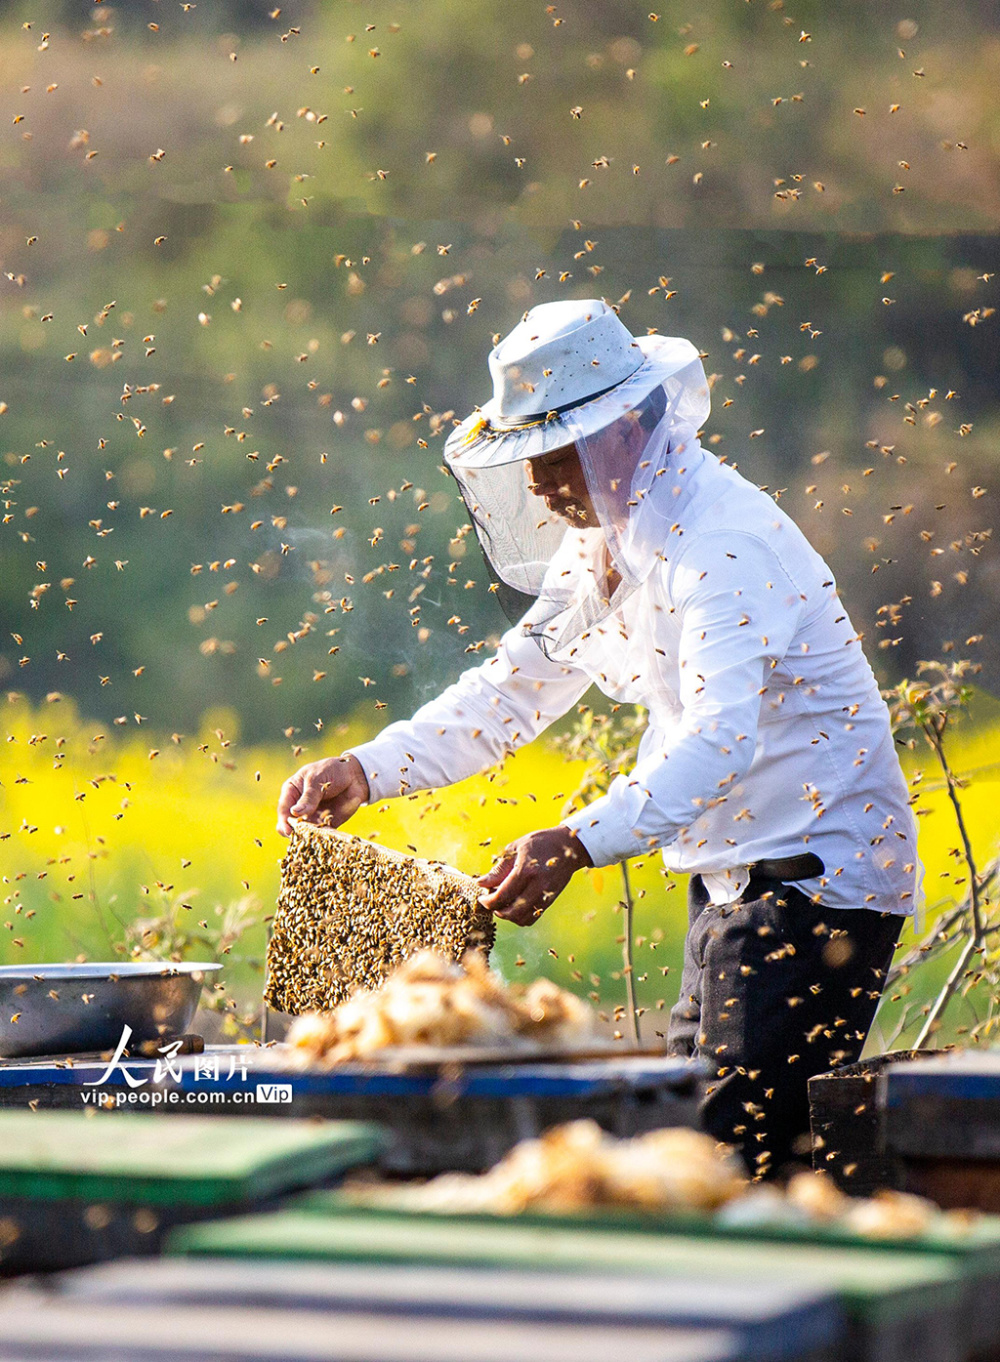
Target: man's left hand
(531,873)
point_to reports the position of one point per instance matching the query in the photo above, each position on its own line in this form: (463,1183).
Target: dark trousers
(775,989)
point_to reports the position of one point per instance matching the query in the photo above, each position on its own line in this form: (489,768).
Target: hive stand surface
(771,1321)
(900,1306)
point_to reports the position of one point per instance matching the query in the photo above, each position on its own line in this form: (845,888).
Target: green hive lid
(977,1248)
(177,1159)
(875,1285)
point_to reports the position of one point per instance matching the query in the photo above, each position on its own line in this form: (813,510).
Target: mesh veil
(559,574)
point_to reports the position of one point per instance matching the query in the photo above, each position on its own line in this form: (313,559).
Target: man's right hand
(326,791)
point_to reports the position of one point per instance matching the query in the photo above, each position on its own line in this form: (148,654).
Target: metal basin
(73,1009)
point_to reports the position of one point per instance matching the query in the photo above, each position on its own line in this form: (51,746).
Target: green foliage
(173,935)
(607,742)
(283,406)
(929,706)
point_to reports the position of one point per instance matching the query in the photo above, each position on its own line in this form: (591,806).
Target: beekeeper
(767,771)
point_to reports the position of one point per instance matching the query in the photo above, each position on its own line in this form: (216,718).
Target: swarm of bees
(888,475)
(432,1001)
(350,911)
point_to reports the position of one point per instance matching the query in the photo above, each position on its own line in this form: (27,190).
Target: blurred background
(252,261)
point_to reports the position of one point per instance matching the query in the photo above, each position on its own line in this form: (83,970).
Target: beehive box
(974,1253)
(401,1314)
(942,1120)
(437,1116)
(164,1332)
(446,1116)
(350,911)
(48,1083)
(847,1120)
(84,1187)
(901,1307)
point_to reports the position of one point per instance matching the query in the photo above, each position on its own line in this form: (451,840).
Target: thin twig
(934,738)
(920,954)
(944,997)
(935,940)
(95,898)
(627,958)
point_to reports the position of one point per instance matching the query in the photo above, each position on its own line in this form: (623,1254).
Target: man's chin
(572,513)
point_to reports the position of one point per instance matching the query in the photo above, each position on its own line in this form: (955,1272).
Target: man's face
(558,478)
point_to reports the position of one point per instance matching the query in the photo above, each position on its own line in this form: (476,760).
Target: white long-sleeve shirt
(767,735)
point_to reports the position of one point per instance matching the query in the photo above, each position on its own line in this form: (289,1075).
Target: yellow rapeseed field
(105,828)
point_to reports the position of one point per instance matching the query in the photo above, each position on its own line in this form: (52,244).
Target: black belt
(789,868)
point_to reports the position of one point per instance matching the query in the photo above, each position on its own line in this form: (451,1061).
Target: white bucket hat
(568,367)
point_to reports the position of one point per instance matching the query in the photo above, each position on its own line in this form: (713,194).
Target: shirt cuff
(600,829)
(385,768)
